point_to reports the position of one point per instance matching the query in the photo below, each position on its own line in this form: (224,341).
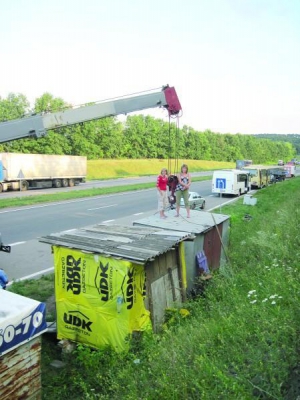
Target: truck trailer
(27,171)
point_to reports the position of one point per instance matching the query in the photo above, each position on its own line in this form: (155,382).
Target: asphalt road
(91,185)
(21,227)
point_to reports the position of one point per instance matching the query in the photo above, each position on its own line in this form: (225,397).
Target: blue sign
(221,183)
(19,330)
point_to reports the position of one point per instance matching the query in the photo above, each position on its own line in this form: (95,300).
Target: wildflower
(273,302)
(253,301)
(251,292)
(280,297)
(264,300)
(273,296)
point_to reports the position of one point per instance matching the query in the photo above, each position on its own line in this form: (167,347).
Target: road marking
(98,208)
(76,201)
(139,213)
(16,243)
(32,275)
(109,220)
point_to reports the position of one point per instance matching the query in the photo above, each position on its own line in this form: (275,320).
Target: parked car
(195,201)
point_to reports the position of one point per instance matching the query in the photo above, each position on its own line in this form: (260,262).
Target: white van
(231,181)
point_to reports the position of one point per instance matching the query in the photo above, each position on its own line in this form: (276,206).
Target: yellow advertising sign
(99,300)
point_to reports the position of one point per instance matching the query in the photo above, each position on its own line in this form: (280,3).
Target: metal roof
(199,221)
(131,243)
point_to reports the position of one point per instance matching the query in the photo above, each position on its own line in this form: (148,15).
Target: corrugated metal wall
(20,372)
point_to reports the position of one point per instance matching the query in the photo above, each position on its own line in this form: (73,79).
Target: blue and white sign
(21,319)
(221,183)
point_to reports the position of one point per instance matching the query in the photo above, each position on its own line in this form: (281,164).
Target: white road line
(32,275)
(98,208)
(16,243)
(109,220)
(74,201)
(139,213)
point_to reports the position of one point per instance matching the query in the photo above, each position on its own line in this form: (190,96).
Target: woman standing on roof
(182,190)
(161,184)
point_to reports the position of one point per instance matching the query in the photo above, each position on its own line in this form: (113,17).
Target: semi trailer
(19,171)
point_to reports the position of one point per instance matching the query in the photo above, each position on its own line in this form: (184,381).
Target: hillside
(293,138)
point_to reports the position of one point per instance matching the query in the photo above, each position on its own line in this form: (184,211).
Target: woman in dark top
(184,183)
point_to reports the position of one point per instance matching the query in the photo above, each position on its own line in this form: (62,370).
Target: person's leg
(186,202)
(160,204)
(178,198)
(165,202)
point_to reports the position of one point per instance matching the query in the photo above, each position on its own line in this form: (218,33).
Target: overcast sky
(235,64)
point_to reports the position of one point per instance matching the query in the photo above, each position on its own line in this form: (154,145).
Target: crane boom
(37,125)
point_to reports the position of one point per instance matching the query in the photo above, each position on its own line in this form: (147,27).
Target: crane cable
(176,143)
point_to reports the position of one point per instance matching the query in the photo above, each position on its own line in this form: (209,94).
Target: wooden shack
(22,321)
(115,280)
(208,232)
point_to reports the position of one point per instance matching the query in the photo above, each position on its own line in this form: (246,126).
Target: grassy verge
(240,341)
(108,169)
(77,194)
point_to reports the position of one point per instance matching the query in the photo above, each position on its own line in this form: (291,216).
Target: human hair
(164,169)
(184,166)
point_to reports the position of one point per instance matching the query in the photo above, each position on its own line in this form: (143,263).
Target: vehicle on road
(195,201)
(35,171)
(231,181)
(259,175)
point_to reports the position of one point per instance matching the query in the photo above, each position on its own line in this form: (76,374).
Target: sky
(235,64)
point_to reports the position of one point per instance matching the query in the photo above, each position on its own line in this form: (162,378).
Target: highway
(21,227)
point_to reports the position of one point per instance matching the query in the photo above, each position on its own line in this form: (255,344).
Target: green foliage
(140,137)
(14,106)
(37,289)
(292,138)
(239,341)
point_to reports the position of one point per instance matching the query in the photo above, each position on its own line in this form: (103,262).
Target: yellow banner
(99,301)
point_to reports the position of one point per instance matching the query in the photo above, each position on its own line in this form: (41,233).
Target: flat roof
(132,243)
(199,222)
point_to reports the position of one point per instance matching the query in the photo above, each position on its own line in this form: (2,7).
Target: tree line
(293,138)
(138,137)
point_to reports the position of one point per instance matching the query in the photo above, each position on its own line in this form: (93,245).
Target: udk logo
(129,294)
(79,321)
(101,281)
(73,275)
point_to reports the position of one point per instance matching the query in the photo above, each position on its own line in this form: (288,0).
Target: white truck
(231,181)
(26,171)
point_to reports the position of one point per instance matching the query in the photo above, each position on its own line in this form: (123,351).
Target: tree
(14,106)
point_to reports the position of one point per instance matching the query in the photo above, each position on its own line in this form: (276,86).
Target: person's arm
(190,181)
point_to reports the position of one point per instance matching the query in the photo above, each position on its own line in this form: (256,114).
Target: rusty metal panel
(20,372)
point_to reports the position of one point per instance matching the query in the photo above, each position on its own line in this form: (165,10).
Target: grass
(241,339)
(109,169)
(77,194)
(38,289)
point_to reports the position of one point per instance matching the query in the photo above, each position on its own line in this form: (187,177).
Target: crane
(36,126)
